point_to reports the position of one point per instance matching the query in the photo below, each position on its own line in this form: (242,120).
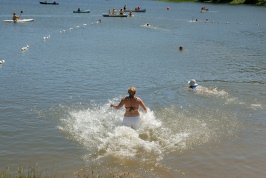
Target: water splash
(99,129)
(210,92)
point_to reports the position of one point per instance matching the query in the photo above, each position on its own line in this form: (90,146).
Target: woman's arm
(141,103)
(122,102)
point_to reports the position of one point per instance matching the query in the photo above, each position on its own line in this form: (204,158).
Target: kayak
(81,11)
(114,15)
(135,10)
(19,20)
(51,3)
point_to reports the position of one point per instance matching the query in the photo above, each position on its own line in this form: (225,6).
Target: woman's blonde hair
(131,91)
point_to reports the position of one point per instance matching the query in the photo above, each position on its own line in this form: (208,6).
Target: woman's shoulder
(126,98)
(138,99)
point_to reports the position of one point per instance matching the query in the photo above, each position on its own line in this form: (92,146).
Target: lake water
(55,96)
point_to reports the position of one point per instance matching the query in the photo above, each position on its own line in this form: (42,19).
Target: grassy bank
(35,172)
(180,0)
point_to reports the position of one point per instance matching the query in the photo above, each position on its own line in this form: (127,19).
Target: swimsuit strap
(131,108)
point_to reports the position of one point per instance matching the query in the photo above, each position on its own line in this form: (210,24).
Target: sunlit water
(56,95)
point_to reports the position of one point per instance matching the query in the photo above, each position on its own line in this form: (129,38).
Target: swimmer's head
(192,82)
(132,91)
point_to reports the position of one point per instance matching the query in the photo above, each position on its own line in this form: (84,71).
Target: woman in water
(132,103)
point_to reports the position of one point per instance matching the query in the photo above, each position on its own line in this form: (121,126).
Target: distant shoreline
(232,2)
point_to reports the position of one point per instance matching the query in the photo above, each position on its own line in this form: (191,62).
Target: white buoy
(24,48)
(2,61)
(46,37)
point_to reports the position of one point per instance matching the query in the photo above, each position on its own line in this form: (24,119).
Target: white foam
(256,106)
(99,129)
(201,90)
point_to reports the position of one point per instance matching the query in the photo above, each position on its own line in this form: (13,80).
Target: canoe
(135,10)
(50,3)
(113,15)
(81,11)
(19,20)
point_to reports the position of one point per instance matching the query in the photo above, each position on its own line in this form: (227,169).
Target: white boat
(81,11)
(114,15)
(19,20)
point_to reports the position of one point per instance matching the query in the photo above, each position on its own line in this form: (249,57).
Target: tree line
(255,2)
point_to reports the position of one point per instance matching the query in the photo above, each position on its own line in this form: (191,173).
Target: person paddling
(15,17)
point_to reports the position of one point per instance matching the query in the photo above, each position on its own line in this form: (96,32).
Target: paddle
(20,14)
